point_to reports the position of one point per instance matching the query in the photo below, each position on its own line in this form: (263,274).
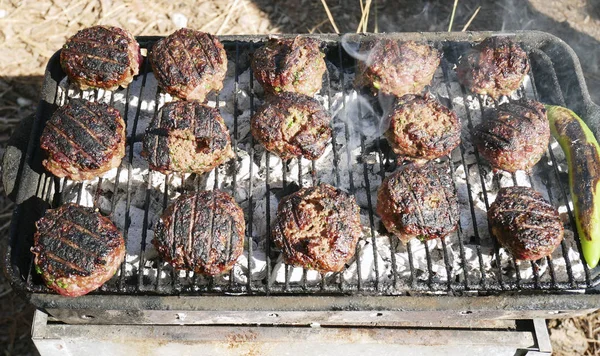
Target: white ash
(345,108)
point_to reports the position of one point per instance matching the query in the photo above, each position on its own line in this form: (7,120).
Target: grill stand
(495,337)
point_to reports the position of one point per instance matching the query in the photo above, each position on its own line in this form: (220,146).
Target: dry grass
(577,336)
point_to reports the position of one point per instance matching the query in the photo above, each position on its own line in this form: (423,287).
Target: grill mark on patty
(448,203)
(99,66)
(535,200)
(91,133)
(72,143)
(513,106)
(157,137)
(87,232)
(230,233)
(290,208)
(69,264)
(526,226)
(81,134)
(71,243)
(414,197)
(495,119)
(503,141)
(97,43)
(186,51)
(67,251)
(206,54)
(526,211)
(190,251)
(212,227)
(95,56)
(184,76)
(516,114)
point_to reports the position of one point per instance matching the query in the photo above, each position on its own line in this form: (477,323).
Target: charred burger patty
(525,223)
(289,65)
(187,136)
(418,202)
(317,228)
(421,128)
(396,68)
(101,57)
(83,140)
(292,125)
(515,136)
(496,67)
(189,64)
(76,249)
(201,232)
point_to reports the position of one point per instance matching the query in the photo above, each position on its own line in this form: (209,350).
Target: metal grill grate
(467,261)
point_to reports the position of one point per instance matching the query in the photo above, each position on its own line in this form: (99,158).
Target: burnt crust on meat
(76,249)
(83,140)
(396,68)
(514,136)
(290,65)
(317,228)
(292,125)
(421,128)
(524,223)
(187,136)
(201,232)
(496,67)
(418,202)
(101,57)
(189,64)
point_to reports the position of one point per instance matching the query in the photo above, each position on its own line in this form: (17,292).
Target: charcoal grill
(465,277)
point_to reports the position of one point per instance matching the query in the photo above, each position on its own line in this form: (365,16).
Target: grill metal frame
(548,55)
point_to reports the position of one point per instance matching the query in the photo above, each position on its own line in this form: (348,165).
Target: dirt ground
(31,31)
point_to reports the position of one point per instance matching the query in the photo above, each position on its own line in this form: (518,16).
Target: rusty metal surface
(61,339)
(325,310)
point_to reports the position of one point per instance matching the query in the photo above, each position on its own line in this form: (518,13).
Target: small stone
(179,19)
(23,102)
(3,13)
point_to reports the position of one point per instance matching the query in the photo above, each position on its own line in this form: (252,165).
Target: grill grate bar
(249,228)
(483,187)
(284,164)
(113,203)
(348,154)
(477,241)
(334,148)
(561,99)
(548,156)
(129,173)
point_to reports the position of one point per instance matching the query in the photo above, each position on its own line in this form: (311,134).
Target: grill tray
(468,263)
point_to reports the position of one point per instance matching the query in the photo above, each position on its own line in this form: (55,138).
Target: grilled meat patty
(290,65)
(187,136)
(514,136)
(292,125)
(418,202)
(421,128)
(317,228)
(189,64)
(76,249)
(83,140)
(496,67)
(101,57)
(396,68)
(201,232)
(525,223)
